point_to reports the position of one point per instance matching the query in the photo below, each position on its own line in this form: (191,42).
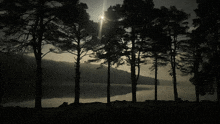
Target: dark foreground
(118,113)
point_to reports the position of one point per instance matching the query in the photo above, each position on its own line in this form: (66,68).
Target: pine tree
(208,13)
(136,16)
(76,36)
(157,48)
(25,23)
(191,59)
(111,45)
(176,25)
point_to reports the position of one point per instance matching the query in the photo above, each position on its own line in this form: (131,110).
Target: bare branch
(46,53)
(71,52)
(49,20)
(84,55)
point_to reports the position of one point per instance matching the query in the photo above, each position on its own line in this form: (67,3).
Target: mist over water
(165,92)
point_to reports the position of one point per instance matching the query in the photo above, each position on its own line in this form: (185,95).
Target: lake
(91,92)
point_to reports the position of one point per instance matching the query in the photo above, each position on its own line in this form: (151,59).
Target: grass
(118,113)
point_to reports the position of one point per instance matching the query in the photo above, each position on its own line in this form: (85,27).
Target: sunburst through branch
(102,17)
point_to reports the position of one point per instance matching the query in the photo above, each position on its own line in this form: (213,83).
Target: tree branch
(71,52)
(46,53)
(84,55)
(49,20)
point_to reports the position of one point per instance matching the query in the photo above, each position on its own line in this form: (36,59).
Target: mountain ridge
(18,68)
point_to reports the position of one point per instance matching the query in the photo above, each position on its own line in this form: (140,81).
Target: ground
(119,112)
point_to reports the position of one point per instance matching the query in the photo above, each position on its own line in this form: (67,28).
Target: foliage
(111,44)
(176,25)
(25,23)
(158,44)
(207,25)
(200,52)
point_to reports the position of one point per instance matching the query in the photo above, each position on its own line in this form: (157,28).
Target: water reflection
(146,92)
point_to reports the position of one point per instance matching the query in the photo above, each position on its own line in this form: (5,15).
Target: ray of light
(100,29)
(102,19)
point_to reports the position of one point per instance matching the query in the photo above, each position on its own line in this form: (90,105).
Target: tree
(111,46)
(208,21)
(157,48)
(176,25)
(76,36)
(192,59)
(25,23)
(136,15)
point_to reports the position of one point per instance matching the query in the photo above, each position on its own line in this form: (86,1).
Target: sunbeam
(101,18)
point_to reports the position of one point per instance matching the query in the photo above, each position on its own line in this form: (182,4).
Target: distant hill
(18,68)
(18,73)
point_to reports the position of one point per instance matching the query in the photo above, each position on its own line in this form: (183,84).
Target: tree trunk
(1,94)
(38,92)
(108,83)
(77,74)
(218,88)
(133,79)
(77,81)
(197,93)
(174,80)
(155,77)
(175,85)
(133,76)
(173,64)
(196,71)
(1,86)
(38,57)
(139,68)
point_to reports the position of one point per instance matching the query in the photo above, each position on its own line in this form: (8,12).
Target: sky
(95,7)
(95,10)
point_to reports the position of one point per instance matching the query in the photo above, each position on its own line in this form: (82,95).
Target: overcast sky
(96,6)
(95,9)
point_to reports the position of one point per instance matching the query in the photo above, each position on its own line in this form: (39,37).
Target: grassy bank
(118,112)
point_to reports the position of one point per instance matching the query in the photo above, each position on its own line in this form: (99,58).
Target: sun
(102,17)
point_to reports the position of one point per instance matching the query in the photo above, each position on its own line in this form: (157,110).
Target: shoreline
(164,93)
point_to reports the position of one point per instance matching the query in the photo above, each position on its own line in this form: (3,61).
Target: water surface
(97,93)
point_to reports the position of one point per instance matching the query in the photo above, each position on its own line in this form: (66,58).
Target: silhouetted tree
(157,47)
(191,59)
(176,25)
(208,13)
(25,23)
(76,36)
(136,15)
(111,44)
(204,80)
